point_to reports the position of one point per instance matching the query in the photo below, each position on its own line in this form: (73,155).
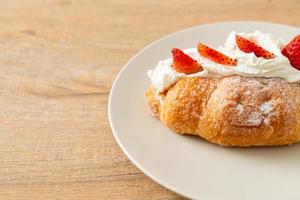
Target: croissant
(231,111)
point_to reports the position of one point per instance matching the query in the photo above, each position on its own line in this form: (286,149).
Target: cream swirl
(163,76)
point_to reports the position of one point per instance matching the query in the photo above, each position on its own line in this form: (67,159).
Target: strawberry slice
(183,63)
(215,56)
(292,52)
(248,46)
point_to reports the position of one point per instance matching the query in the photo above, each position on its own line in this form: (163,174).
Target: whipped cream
(163,76)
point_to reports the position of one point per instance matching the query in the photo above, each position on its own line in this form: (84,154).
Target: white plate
(189,165)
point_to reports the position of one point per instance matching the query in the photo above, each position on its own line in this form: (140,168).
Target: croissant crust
(231,111)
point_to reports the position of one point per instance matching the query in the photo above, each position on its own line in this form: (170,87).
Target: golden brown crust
(232,111)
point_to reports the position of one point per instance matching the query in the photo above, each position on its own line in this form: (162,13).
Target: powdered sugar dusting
(266,107)
(240,107)
(254,119)
(256,100)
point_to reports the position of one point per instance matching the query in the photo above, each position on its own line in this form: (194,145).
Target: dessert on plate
(244,93)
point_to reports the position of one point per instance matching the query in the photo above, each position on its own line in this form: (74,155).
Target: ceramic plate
(189,165)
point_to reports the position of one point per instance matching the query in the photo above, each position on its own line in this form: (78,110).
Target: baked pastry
(246,93)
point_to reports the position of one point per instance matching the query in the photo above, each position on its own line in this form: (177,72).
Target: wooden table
(58,59)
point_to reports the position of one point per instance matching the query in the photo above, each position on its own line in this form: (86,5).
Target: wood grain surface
(58,59)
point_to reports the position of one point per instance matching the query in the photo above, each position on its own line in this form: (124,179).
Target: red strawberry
(292,52)
(183,63)
(215,56)
(248,46)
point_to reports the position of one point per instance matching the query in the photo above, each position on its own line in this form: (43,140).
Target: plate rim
(109,110)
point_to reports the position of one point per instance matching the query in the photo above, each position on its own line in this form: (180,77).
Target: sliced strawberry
(248,46)
(215,56)
(183,63)
(292,52)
